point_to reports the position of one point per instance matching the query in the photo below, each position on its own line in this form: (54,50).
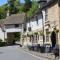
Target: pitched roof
(49,3)
(15,19)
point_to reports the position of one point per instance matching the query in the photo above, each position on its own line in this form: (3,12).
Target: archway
(13,37)
(53,39)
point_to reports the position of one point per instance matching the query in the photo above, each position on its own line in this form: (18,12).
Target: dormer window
(16,25)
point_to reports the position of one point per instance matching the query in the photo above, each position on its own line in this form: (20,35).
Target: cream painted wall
(13,30)
(9,29)
(33,24)
(1,34)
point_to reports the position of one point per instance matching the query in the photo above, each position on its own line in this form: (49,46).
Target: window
(29,28)
(46,14)
(37,19)
(47,35)
(24,29)
(16,25)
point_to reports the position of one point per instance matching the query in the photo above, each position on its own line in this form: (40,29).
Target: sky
(5,1)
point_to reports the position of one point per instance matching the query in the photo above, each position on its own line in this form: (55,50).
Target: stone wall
(59,25)
(53,17)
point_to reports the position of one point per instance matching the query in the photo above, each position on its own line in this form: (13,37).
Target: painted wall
(9,29)
(33,23)
(1,34)
(12,28)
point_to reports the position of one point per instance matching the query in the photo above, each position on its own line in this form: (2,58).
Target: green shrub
(0,40)
(2,43)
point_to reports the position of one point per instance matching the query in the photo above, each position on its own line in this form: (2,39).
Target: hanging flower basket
(48,32)
(23,36)
(28,35)
(41,33)
(56,30)
(36,33)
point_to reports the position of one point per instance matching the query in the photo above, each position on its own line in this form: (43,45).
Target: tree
(27,5)
(14,6)
(3,11)
(33,8)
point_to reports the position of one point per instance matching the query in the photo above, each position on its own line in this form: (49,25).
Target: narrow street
(16,53)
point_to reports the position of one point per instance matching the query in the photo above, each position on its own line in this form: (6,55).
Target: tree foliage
(14,6)
(27,5)
(3,11)
(33,8)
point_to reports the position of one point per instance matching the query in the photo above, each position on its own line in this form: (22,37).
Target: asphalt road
(16,53)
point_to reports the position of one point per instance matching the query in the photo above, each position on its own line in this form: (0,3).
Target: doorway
(53,39)
(13,37)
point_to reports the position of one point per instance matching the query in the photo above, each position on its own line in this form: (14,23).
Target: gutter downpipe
(43,18)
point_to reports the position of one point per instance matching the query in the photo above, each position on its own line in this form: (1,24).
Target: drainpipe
(43,18)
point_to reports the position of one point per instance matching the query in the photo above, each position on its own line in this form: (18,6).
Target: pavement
(49,56)
(17,53)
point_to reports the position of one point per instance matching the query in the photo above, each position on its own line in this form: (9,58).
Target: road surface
(16,53)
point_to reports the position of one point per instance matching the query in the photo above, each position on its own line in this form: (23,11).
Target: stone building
(50,12)
(52,23)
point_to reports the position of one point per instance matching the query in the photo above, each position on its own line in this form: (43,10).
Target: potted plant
(48,32)
(56,30)
(36,33)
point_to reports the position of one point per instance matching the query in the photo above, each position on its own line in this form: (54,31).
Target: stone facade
(59,21)
(52,22)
